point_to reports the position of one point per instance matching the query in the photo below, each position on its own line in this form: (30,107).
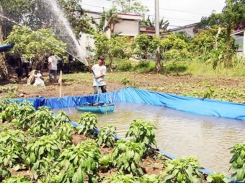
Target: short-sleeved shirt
(99,70)
(54,62)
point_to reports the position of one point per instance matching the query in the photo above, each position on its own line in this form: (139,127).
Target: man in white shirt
(99,71)
(52,65)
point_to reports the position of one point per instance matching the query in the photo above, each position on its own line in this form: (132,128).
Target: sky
(177,12)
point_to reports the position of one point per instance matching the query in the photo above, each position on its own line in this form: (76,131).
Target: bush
(125,66)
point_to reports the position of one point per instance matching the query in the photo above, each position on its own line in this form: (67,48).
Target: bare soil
(80,84)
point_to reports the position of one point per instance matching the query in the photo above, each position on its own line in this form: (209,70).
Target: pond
(179,133)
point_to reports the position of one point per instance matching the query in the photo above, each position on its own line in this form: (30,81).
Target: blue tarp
(187,104)
(5,48)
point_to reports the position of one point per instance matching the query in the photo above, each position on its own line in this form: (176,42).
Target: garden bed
(39,147)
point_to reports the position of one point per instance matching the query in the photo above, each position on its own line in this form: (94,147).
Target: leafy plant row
(41,143)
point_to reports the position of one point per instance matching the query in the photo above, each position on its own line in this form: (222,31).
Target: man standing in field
(52,65)
(99,71)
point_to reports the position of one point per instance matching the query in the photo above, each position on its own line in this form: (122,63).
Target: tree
(232,16)
(204,45)
(108,20)
(115,47)
(38,14)
(151,23)
(142,45)
(130,6)
(157,43)
(175,48)
(34,44)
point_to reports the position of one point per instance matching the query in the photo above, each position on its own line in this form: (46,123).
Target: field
(221,88)
(77,84)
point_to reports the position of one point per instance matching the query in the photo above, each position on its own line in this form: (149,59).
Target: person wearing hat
(99,71)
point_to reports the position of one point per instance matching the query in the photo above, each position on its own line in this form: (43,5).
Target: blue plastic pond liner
(186,104)
(4,48)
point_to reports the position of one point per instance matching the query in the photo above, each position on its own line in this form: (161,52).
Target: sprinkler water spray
(65,22)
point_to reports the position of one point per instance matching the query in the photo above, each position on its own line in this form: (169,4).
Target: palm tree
(151,23)
(108,20)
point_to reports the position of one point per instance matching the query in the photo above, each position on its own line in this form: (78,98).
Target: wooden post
(60,82)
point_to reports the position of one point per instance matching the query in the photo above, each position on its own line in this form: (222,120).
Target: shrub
(77,163)
(12,144)
(142,132)
(125,66)
(182,170)
(87,124)
(107,135)
(130,154)
(237,162)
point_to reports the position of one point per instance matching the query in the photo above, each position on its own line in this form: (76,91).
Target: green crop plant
(12,143)
(182,170)
(208,93)
(43,169)
(87,124)
(3,105)
(43,122)
(61,118)
(217,178)
(105,162)
(238,162)
(43,147)
(142,132)
(153,178)
(7,113)
(17,179)
(64,132)
(4,173)
(120,178)
(107,135)
(126,155)
(23,115)
(77,163)
(126,81)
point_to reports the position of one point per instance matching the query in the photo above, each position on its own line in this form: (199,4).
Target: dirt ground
(78,84)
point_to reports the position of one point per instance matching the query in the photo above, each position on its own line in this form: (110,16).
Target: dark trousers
(103,89)
(25,66)
(53,73)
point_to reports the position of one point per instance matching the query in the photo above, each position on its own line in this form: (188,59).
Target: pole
(158,59)
(157,17)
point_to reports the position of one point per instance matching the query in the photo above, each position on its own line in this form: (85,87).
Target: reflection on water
(179,133)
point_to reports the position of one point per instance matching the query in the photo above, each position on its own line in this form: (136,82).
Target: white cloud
(178,12)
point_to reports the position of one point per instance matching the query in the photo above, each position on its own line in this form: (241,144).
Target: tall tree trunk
(110,64)
(3,67)
(158,60)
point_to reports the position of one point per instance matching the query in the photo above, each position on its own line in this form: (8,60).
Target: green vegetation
(52,157)
(87,124)
(142,132)
(237,162)
(107,135)
(183,170)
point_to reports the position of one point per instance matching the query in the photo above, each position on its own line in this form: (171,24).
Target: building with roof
(240,40)
(188,30)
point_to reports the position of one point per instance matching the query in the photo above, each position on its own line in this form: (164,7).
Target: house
(150,30)
(240,39)
(189,30)
(129,24)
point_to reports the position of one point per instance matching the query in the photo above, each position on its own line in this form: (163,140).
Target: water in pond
(178,133)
